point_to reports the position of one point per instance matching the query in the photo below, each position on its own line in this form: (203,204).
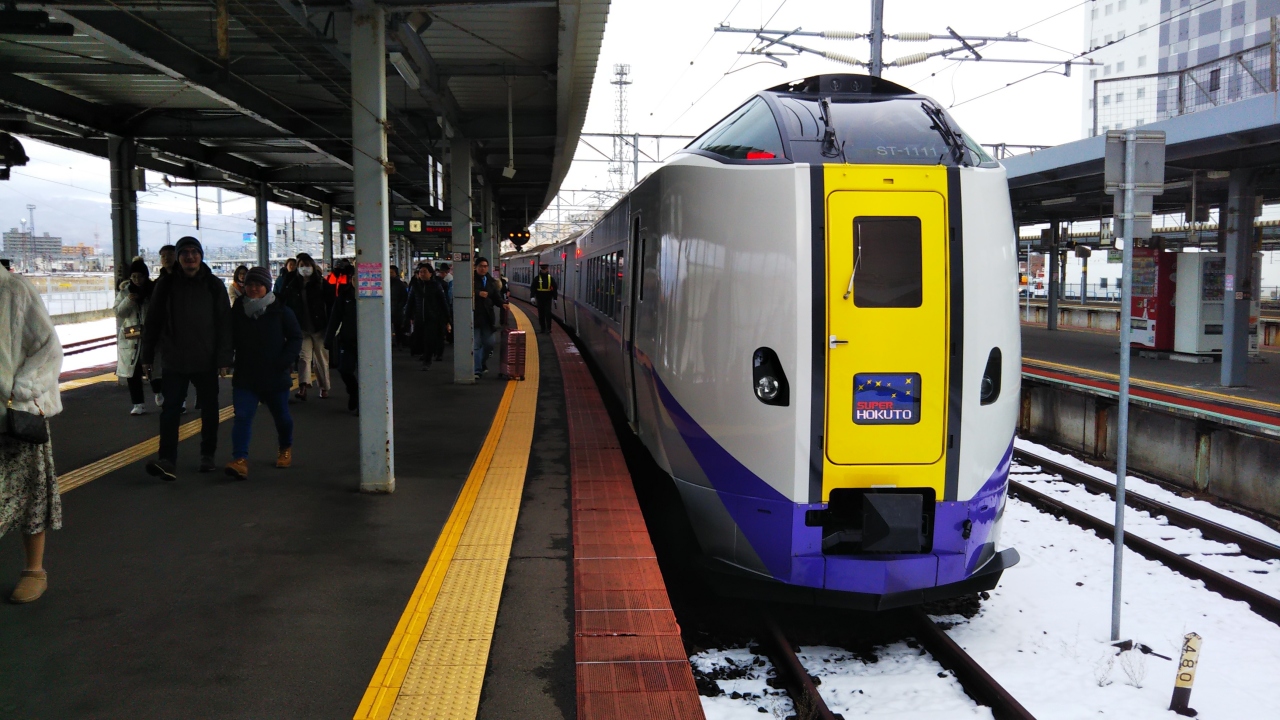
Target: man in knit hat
(267,339)
(189,323)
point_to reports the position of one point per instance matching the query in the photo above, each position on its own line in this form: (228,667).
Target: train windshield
(748,133)
(899,130)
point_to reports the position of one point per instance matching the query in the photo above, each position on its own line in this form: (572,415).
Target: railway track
(977,682)
(84,346)
(1263,604)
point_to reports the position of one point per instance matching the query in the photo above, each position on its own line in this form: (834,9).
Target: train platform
(292,595)
(1089,361)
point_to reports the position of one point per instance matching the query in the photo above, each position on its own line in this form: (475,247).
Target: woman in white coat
(131,311)
(30,361)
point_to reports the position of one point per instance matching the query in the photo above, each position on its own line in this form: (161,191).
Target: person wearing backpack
(189,323)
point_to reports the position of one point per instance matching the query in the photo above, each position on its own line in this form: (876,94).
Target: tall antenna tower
(618,164)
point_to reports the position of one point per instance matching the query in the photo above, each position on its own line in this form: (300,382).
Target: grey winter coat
(129,314)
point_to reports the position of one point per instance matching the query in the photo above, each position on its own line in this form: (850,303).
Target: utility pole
(621,79)
(877,37)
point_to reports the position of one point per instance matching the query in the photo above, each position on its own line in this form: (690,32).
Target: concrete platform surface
(212,598)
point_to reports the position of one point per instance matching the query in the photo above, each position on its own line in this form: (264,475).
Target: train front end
(906,394)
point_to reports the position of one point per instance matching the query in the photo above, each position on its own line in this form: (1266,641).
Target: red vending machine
(1154,286)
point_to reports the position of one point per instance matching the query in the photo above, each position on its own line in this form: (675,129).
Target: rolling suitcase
(513,358)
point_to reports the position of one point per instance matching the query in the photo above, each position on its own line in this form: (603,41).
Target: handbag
(133,332)
(25,426)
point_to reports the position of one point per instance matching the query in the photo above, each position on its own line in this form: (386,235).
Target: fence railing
(1140,99)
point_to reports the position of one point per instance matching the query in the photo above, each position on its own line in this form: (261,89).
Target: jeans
(175,393)
(482,344)
(246,405)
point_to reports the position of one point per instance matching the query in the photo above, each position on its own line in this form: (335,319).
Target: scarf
(255,308)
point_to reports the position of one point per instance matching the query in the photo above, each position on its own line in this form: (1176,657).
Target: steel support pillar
(121,153)
(1084,280)
(263,229)
(326,233)
(463,271)
(1239,277)
(1055,228)
(373,311)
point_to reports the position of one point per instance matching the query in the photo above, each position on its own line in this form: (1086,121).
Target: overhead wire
(712,36)
(1086,53)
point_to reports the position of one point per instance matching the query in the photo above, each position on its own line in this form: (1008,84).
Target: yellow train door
(887,295)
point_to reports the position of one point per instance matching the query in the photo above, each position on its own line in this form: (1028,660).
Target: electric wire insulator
(842,58)
(910,59)
(912,37)
(842,35)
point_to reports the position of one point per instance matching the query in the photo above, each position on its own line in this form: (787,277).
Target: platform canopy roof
(1065,182)
(273,102)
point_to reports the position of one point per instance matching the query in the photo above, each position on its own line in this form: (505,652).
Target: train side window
(619,270)
(748,133)
(887,266)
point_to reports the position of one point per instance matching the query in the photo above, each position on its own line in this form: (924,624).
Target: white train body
(753,313)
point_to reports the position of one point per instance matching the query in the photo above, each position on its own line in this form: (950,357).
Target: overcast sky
(680,86)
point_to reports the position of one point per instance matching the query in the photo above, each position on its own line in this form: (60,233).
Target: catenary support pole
(463,272)
(122,153)
(1084,280)
(1122,415)
(373,311)
(1055,230)
(263,228)
(1238,280)
(877,37)
(326,233)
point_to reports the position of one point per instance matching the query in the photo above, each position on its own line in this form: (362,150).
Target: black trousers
(545,316)
(135,388)
(175,393)
(352,381)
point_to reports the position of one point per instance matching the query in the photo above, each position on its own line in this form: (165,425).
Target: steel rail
(976,681)
(1249,545)
(808,703)
(1261,603)
(83,346)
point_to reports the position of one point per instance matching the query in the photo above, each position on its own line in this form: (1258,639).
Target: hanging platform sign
(369,280)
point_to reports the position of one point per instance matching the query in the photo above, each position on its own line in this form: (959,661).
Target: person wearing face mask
(304,294)
(340,338)
(131,313)
(236,288)
(428,311)
(266,339)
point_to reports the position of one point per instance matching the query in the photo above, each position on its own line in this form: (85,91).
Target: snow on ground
(1044,633)
(87,331)
(1224,558)
(742,677)
(1204,509)
(903,683)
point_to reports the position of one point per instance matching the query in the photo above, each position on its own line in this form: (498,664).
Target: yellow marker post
(1186,675)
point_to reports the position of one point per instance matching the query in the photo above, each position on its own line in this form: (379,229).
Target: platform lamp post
(1133,173)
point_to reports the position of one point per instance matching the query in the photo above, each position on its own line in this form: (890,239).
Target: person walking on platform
(304,294)
(131,313)
(341,336)
(487,301)
(399,319)
(30,361)
(266,339)
(236,289)
(545,292)
(288,273)
(168,259)
(428,310)
(189,323)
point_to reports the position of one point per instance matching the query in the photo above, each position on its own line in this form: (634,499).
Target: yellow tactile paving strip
(86,381)
(434,664)
(1194,392)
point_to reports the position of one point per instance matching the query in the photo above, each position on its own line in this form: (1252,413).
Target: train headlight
(767,378)
(767,388)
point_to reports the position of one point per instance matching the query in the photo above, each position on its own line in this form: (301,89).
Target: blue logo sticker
(886,398)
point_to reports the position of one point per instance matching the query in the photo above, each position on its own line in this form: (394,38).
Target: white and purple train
(810,318)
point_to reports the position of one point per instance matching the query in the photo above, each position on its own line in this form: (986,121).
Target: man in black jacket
(399,295)
(545,291)
(189,323)
(267,339)
(488,299)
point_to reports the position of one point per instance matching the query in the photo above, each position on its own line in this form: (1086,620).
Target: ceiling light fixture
(406,71)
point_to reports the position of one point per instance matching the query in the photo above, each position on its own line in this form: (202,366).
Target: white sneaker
(159,399)
(138,409)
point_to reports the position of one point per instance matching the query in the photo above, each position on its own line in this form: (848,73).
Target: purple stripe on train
(767,519)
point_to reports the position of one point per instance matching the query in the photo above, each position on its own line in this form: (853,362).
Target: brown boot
(31,586)
(285,457)
(238,469)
